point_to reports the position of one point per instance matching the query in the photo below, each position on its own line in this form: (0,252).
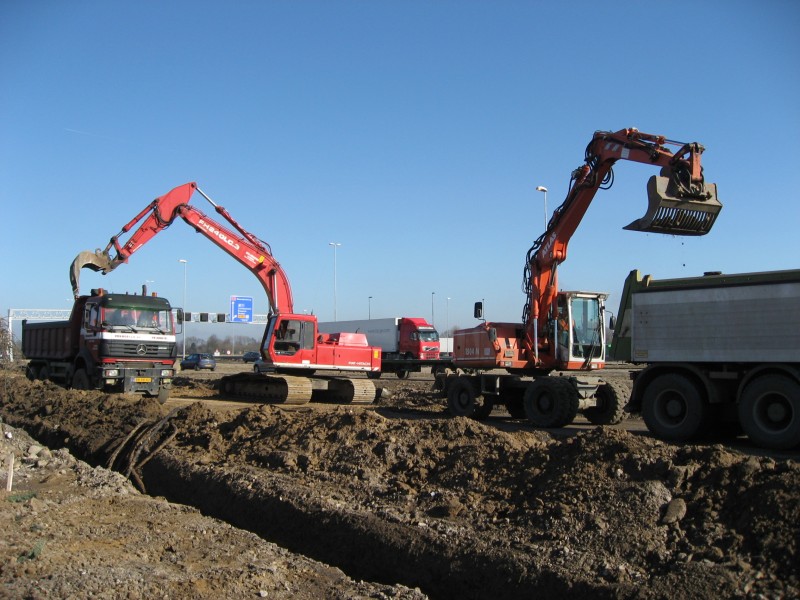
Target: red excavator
(564,330)
(292,348)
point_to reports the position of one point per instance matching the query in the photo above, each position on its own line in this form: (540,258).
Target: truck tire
(769,411)
(80,380)
(373,375)
(43,374)
(610,401)
(551,402)
(401,373)
(672,407)
(463,400)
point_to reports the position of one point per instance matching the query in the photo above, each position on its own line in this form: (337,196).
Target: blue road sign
(241,309)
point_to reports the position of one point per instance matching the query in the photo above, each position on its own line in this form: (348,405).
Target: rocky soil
(265,501)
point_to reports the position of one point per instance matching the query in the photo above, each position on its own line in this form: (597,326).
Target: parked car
(199,361)
(251,356)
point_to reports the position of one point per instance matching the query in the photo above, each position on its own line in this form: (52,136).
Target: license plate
(143,379)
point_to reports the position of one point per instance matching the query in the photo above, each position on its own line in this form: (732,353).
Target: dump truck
(721,354)
(407,343)
(114,342)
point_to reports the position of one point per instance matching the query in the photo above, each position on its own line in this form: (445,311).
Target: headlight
(112,373)
(166,372)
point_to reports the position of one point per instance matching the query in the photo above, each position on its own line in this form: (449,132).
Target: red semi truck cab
(114,342)
(417,338)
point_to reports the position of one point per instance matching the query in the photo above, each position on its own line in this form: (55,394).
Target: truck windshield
(138,318)
(429,336)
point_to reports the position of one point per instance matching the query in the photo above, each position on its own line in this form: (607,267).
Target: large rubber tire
(463,400)
(80,380)
(31,372)
(373,375)
(610,401)
(673,408)
(461,397)
(551,402)
(769,411)
(44,373)
(402,373)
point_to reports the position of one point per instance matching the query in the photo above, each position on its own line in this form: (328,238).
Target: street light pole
(369,308)
(432,319)
(447,317)
(541,188)
(185,263)
(335,245)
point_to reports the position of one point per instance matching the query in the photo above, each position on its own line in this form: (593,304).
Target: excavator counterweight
(670,213)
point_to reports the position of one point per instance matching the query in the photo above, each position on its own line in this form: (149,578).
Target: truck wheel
(462,400)
(373,375)
(610,401)
(402,373)
(80,380)
(672,407)
(550,402)
(43,374)
(769,411)
(31,372)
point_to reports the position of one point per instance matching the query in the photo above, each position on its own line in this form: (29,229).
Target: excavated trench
(452,506)
(444,561)
(363,545)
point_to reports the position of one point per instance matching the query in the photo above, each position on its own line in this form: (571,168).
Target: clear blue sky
(413,133)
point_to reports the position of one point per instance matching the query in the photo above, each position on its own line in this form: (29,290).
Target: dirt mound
(456,506)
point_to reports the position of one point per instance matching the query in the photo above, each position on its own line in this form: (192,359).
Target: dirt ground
(266,501)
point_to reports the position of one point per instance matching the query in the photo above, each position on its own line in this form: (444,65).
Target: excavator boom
(680,202)
(160,214)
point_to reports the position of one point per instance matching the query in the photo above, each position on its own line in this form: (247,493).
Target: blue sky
(413,133)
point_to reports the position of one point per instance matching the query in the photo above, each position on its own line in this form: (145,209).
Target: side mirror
(478,312)
(179,315)
(612,322)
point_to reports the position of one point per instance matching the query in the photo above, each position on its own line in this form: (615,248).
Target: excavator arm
(242,245)
(680,203)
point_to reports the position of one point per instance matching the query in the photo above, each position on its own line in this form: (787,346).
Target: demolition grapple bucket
(678,212)
(95,261)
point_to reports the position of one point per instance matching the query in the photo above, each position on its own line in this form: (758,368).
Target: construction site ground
(390,500)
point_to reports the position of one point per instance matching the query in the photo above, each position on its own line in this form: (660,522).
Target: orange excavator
(564,330)
(292,348)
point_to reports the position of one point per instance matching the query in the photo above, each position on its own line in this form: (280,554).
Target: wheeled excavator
(564,330)
(292,348)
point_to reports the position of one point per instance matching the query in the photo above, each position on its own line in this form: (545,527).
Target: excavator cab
(677,209)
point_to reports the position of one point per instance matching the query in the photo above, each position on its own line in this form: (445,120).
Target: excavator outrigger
(564,330)
(292,348)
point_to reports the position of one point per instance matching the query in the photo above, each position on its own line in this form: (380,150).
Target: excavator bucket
(96,261)
(678,215)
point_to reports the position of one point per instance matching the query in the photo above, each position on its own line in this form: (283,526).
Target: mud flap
(678,215)
(96,261)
